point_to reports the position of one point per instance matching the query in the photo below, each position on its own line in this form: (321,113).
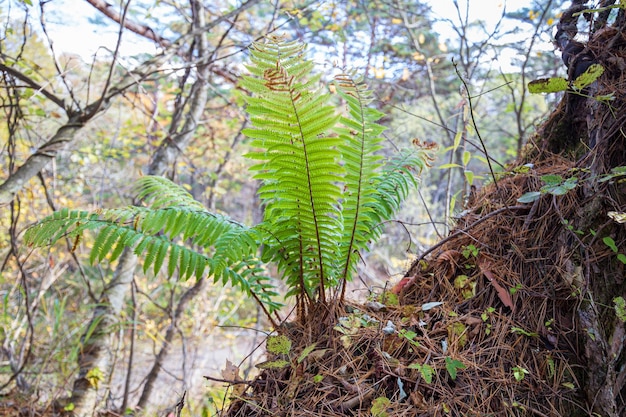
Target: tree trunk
(189,295)
(96,354)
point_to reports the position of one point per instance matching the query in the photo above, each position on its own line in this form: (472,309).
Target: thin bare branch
(143,30)
(62,74)
(107,84)
(33,84)
(471,112)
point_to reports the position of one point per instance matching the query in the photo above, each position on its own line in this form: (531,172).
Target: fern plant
(325,190)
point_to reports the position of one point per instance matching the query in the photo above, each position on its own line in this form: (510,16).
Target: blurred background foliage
(414,56)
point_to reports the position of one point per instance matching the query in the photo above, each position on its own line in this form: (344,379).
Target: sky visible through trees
(79,33)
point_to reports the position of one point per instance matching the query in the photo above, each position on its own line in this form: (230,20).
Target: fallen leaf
(503,294)
(473,321)
(431,305)
(231,373)
(404,282)
(450,257)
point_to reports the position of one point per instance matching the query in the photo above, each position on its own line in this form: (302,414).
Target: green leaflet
(162,193)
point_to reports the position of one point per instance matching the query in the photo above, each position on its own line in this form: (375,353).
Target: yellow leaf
(550,21)
(405,74)
(94,376)
(418,56)
(396,21)
(421,38)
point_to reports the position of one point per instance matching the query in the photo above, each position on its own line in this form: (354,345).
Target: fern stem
(306,296)
(265,311)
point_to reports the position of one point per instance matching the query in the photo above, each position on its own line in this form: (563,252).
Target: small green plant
(557,185)
(620,308)
(425,370)
(487,313)
(485,316)
(571,228)
(608,241)
(516,288)
(469,250)
(554,185)
(325,190)
(452,366)
(519,330)
(409,335)
(519,373)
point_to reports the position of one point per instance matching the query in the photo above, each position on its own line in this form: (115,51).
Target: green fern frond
(153,233)
(299,165)
(160,192)
(360,142)
(396,180)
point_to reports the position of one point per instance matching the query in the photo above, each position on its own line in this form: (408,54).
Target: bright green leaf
(620,308)
(519,373)
(457,139)
(588,77)
(552,179)
(305,352)
(278,345)
(452,365)
(379,407)
(467,156)
(608,241)
(548,85)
